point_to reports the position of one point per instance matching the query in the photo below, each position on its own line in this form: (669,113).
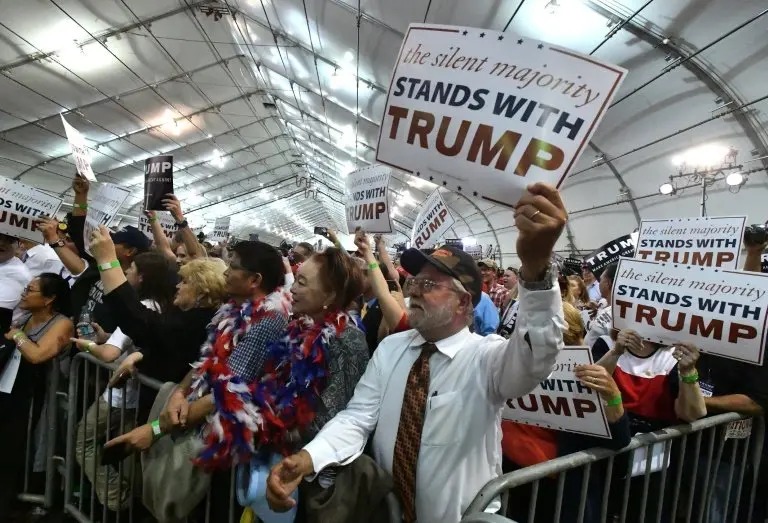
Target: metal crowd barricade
(50,425)
(686,490)
(87,382)
(80,496)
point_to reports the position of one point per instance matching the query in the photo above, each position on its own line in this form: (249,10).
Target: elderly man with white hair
(434,394)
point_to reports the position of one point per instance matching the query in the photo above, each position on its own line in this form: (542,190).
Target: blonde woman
(170,340)
(578,291)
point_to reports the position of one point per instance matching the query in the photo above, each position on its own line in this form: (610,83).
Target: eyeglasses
(29,289)
(423,285)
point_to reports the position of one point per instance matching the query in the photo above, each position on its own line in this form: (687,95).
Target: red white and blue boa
(258,417)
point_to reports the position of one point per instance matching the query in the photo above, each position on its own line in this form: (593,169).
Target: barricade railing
(706,493)
(45,421)
(82,499)
(85,412)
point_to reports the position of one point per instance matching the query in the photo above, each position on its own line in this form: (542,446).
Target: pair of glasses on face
(423,285)
(29,289)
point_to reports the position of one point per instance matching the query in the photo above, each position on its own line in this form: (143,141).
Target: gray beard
(421,319)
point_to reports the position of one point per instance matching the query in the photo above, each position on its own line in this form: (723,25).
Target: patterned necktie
(409,432)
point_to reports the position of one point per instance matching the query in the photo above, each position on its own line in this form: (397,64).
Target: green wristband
(156,432)
(615,402)
(83,206)
(693,378)
(114,264)
(373,265)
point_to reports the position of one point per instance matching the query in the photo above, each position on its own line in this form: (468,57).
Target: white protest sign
(764,262)
(489,112)
(367,200)
(721,312)
(166,221)
(20,205)
(433,221)
(9,373)
(562,402)
(80,151)
(220,229)
(103,205)
(707,242)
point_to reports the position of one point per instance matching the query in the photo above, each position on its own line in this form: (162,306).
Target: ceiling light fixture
(666,188)
(734,179)
(708,155)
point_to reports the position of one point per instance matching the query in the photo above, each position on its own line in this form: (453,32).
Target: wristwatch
(182,224)
(544,284)
(58,243)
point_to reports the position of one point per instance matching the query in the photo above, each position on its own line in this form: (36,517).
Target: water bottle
(84,328)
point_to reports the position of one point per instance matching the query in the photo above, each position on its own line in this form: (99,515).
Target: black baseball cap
(449,260)
(132,237)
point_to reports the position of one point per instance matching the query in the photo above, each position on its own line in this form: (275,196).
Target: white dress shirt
(14,276)
(42,258)
(470,378)
(593,291)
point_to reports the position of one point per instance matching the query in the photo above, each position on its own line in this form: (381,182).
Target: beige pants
(112,488)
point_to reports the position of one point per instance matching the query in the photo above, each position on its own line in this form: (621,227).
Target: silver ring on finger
(532,216)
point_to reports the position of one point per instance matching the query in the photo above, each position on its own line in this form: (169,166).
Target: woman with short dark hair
(40,335)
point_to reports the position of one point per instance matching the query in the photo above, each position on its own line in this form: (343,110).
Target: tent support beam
(701,71)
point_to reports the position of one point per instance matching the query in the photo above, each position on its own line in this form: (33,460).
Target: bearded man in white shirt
(434,394)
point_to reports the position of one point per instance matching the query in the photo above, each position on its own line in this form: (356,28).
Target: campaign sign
(722,312)
(489,112)
(706,242)
(367,200)
(454,242)
(166,221)
(103,205)
(764,262)
(609,253)
(20,205)
(220,229)
(432,222)
(80,152)
(158,181)
(562,402)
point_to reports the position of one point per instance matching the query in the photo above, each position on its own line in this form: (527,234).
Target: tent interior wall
(266,105)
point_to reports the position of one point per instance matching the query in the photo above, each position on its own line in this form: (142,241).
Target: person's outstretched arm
(517,366)
(194,248)
(161,241)
(71,260)
(391,310)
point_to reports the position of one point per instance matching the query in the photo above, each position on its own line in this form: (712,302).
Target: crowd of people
(343,376)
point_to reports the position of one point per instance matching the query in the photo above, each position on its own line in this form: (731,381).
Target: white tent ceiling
(254,98)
